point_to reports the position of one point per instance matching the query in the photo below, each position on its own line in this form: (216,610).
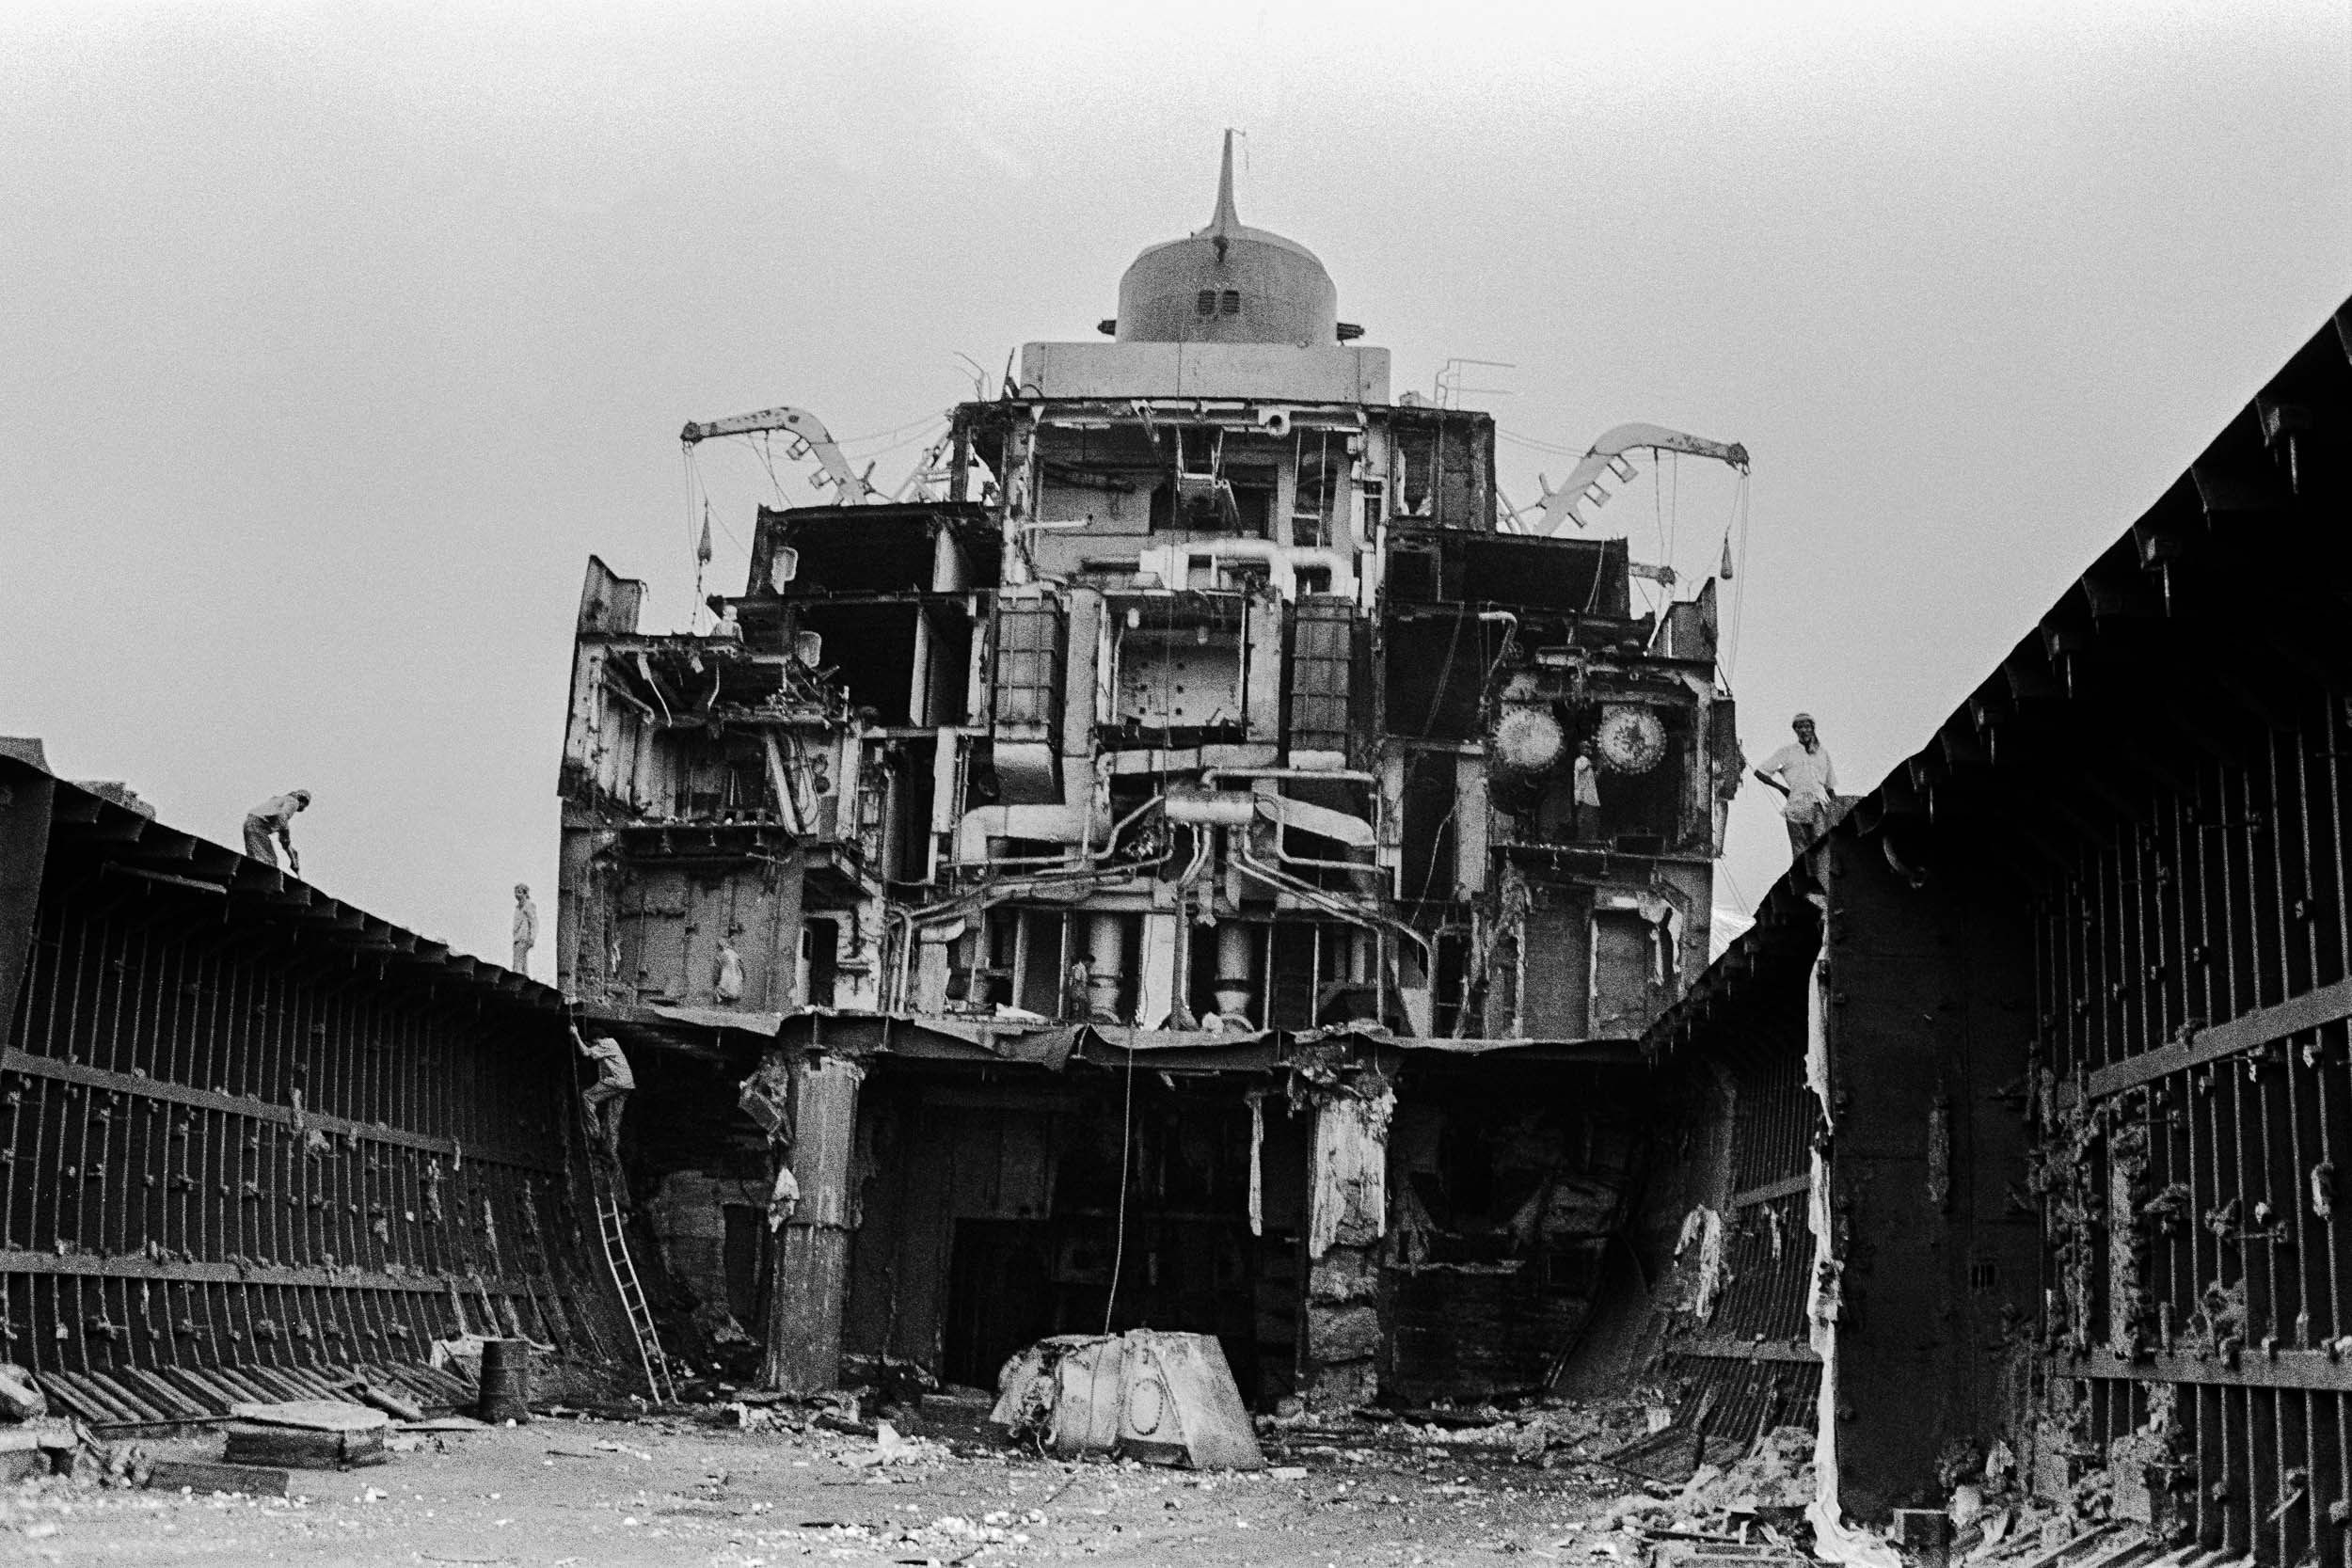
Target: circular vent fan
(1528,740)
(1629,739)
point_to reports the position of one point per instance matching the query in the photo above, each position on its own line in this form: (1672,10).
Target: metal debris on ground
(1771,1485)
(194,1475)
(21,1398)
(624,1448)
(391,1403)
(1169,1398)
(1546,1433)
(891,1449)
(307,1434)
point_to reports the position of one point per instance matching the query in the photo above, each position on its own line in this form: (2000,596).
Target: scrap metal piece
(1169,1398)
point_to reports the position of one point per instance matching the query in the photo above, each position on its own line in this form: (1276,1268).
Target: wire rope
(767,460)
(1673,502)
(1658,510)
(1126,1134)
(921,434)
(1738,525)
(1740,899)
(894,430)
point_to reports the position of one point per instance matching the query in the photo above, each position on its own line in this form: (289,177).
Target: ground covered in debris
(926,1490)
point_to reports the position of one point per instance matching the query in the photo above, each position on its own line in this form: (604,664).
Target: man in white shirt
(1587,795)
(1807,782)
(270,824)
(526,928)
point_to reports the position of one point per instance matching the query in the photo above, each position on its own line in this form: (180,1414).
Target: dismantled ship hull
(2015,1115)
(255,1142)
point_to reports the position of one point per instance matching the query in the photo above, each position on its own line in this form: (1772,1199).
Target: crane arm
(803,425)
(1559,507)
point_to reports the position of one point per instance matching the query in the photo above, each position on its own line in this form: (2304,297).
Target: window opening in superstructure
(1177,671)
(819,961)
(1230,304)
(1321,476)
(1205,305)
(1253,503)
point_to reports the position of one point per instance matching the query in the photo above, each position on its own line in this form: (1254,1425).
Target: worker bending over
(1807,782)
(273,819)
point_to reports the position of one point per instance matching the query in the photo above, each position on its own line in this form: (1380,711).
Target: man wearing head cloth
(270,824)
(526,928)
(1807,782)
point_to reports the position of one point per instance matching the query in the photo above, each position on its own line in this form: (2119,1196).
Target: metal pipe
(1275,878)
(1363,868)
(1106,964)
(1232,986)
(906,955)
(1087,854)
(1209,777)
(1181,1001)
(990,894)
(1065,871)
(1348,775)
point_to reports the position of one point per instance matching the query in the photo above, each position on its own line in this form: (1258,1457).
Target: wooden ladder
(624,1269)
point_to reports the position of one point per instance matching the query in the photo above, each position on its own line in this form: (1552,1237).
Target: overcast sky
(334,339)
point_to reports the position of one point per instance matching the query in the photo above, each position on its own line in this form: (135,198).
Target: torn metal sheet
(1349,1202)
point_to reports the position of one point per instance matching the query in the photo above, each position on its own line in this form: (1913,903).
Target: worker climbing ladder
(599,1144)
(616,1258)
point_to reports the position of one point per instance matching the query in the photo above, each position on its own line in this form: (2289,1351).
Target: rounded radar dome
(1528,740)
(1228,283)
(1629,739)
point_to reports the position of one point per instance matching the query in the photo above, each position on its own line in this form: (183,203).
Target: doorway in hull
(998,1295)
(1185,1259)
(1509,1185)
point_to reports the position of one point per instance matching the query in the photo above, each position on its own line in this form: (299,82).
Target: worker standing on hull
(270,824)
(1586,795)
(1807,782)
(526,928)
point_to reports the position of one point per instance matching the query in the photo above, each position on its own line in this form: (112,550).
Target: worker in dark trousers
(1585,823)
(1807,783)
(273,819)
(608,1097)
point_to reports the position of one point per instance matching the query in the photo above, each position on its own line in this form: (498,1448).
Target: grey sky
(336,338)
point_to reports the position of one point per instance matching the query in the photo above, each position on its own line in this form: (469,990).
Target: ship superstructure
(1210,716)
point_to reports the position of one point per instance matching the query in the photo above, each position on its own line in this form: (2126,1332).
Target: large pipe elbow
(1055,824)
